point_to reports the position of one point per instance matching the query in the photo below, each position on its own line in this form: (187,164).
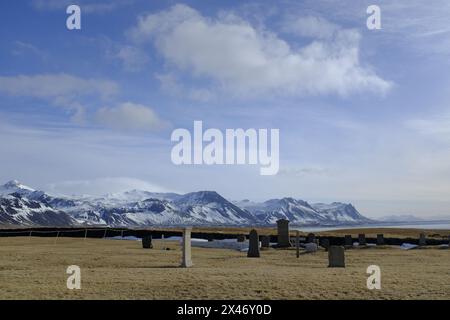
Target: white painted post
(186,261)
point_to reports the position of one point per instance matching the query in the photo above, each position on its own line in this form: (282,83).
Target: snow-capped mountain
(15,186)
(296,211)
(300,212)
(23,205)
(16,209)
(125,213)
(212,208)
(340,212)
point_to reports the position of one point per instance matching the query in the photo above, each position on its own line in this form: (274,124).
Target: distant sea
(443,225)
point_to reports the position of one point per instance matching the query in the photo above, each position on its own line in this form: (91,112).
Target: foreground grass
(35,268)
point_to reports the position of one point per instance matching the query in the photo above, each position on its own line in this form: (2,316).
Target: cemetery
(252,263)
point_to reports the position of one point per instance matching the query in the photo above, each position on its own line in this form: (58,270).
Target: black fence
(158,234)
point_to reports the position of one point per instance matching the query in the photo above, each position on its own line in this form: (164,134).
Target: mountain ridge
(145,208)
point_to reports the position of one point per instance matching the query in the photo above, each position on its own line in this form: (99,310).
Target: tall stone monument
(348,240)
(186,260)
(283,233)
(147,242)
(253,247)
(336,257)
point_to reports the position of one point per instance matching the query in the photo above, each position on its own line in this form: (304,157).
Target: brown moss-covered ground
(35,268)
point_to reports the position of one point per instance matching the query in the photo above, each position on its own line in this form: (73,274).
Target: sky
(363,115)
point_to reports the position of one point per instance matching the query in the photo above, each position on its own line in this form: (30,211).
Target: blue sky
(364,115)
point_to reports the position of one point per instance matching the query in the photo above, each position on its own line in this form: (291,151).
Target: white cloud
(62,90)
(310,26)
(296,172)
(133,59)
(248,61)
(130,116)
(70,92)
(102,186)
(56,86)
(172,85)
(86,153)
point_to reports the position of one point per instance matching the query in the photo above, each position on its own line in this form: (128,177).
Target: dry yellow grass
(35,268)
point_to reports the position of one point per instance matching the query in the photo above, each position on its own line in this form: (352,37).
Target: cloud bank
(246,61)
(130,116)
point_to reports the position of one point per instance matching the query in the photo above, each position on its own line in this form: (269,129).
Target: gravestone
(253,247)
(147,242)
(325,243)
(348,241)
(283,233)
(336,257)
(310,247)
(380,239)
(422,240)
(241,238)
(265,241)
(362,239)
(311,238)
(186,260)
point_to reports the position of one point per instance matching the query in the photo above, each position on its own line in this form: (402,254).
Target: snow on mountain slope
(197,208)
(17,210)
(15,186)
(340,212)
(146,212)
(210,207)
(296,211)
(24,205)
(300,212)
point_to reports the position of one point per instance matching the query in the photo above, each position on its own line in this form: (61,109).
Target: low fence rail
(98,233)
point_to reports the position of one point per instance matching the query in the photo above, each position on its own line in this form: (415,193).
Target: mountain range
(22,205)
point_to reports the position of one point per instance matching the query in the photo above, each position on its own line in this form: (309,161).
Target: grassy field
(35,268)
